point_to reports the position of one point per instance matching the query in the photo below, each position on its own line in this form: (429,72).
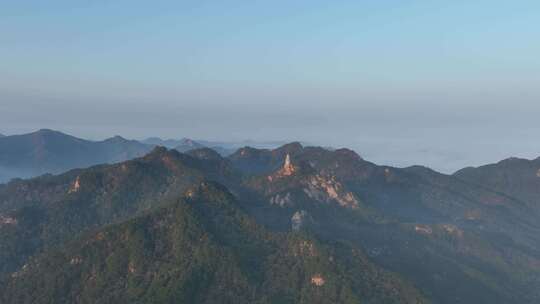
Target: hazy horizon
(446,85)
(402,152)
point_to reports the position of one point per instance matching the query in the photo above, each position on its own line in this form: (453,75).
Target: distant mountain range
(182,145)
(48,151)
(293,224)
(156,141)
(222,147)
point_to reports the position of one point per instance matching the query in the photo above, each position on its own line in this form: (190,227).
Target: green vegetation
(202,249)
(139,232)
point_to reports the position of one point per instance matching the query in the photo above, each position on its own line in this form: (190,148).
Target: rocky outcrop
(317,280)
(423,229)
(320,186)
(287,169)
(281,200)
(452,230)
(327,189)
(301,220)
(6,220)
(76,185)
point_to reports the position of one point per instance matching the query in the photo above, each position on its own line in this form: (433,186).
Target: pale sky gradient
(440,83)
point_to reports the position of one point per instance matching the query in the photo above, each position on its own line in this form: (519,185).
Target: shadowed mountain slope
(202,249)
(51,209)
(48,151)
(456,241)
(186,144)
(433,228)
(515,177)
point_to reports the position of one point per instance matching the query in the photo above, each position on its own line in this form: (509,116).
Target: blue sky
(404,74)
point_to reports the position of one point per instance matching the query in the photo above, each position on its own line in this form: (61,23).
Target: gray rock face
(300,220)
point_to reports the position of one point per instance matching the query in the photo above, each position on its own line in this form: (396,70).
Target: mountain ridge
(208,213)
(515,177)
(428,206)
(430,228)
(49,151)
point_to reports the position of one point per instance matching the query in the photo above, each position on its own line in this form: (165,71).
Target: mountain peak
(116,138)
(160,153)
(204,154)
(247,152)
(158,150)
(157,139)
(209,191)
(44,130)
(293,147)
(187,144)
(348,153)
(48,132)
